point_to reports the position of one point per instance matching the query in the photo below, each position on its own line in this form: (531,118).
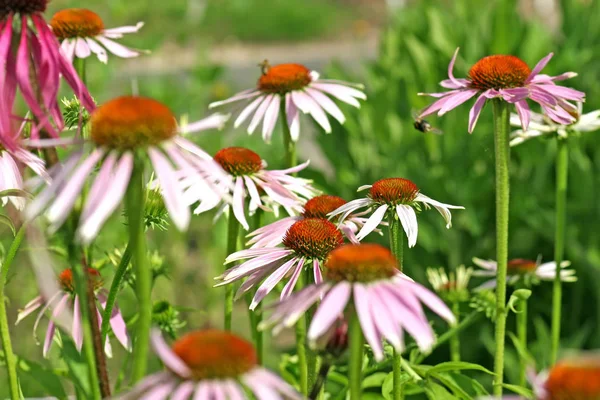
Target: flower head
(400,198)
(576,378)
(317,207)
(293,88)
(210,364)
(82,33)
(67,298)
(523,270)
(33,63)
(510,78)
(452,286)
(124,130)
(306,244)
(243,174)
(542,125)
(365,278)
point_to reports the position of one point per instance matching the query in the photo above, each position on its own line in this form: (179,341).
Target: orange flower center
(360,263)
(313,238)
(499,72)
(213,354)
(76,23)
(394,191)
(574,380)
(521,266)
(8,7)
(284,78)
(130,122)
(65,279)
(320,206)
(238,161)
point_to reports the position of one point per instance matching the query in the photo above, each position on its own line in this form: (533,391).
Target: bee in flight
(422,125)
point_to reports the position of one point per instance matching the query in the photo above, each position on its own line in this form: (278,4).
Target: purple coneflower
(293,88)
(510,78)
(66,298)
(365,278)
(210,364)
(306,244)
(397,196)
(82,33)
(519,269)
(123,131)
(246,177)
(33,62)
(318,207)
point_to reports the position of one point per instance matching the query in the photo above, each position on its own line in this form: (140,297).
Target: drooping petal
(168,357)
(329,310)
(373,221)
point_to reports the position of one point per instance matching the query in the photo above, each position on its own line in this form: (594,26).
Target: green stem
(135,203)
(257,315)
(291,158)
(79,64)
(311,357)
(562,167)
(455,339)
(356,343)
(397,248)
(233,232)
(411,372)
(502,149)
(301,326)
(522,334)
(115,288)
(81,289)
(9,355)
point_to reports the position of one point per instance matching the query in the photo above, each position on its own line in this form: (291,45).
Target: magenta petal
(540,66)
(77,331)
(476,111)
(524,113)
(451,68)
(456,100)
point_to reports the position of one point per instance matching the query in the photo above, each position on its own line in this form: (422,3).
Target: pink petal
(293,117)
(456,100)
(289,287)
(77,330)
(363,311)
(539,66)
(524,113)
(238,202)
(167,356)
(329,310)
(476,111)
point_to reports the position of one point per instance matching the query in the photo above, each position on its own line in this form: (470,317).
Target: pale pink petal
(238,203)
(327,104)
(269,284)
(289,287)
(260,113)
(361,303)
(247,111)
(563,92)
(159,392)
(456,82)
(408,220)
(82,50)
(167,356)
(270,118)
(117,49)
(172,192)
(373,221)
(234,391)
(318,275)
(51,327)
(433,302)
(276,383)
(77,331)
(383,318)
(308,106)
(183,391)
(524,113)
(329,310)
(29,308)
(246,94)
(456,100)
(123,29)
(293,117)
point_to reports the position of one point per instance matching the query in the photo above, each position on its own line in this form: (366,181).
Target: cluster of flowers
(350,279)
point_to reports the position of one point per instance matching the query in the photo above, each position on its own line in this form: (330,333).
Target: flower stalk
(356,343)
(562,169)
(115,287)
(301,348)
(233,233)
(502,150)
(291,157)
(9,356)
(455,339)
(135,204)
(397,247)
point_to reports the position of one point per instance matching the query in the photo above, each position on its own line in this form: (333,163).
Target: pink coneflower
(318,207)
(397,196)
(123,131)
(34,64)
(11,174)
(365,278)
(82,33)
(66,298)
(246,177)
(210,364)
(510,78)
(293,88)
(306,244)
(522,269)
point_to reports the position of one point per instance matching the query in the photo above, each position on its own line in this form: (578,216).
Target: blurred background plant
(205,50)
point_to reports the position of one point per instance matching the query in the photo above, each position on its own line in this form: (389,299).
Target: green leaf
(456,366)
(7,221)
(388,386)
(78,370)
(375,380)
(451,384)
(517,298)
(48,380)
(522,351)
(520,390)
(435,391)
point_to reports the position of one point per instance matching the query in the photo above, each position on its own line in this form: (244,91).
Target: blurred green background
(203,51)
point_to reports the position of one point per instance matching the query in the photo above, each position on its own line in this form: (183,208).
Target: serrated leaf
(457,366)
